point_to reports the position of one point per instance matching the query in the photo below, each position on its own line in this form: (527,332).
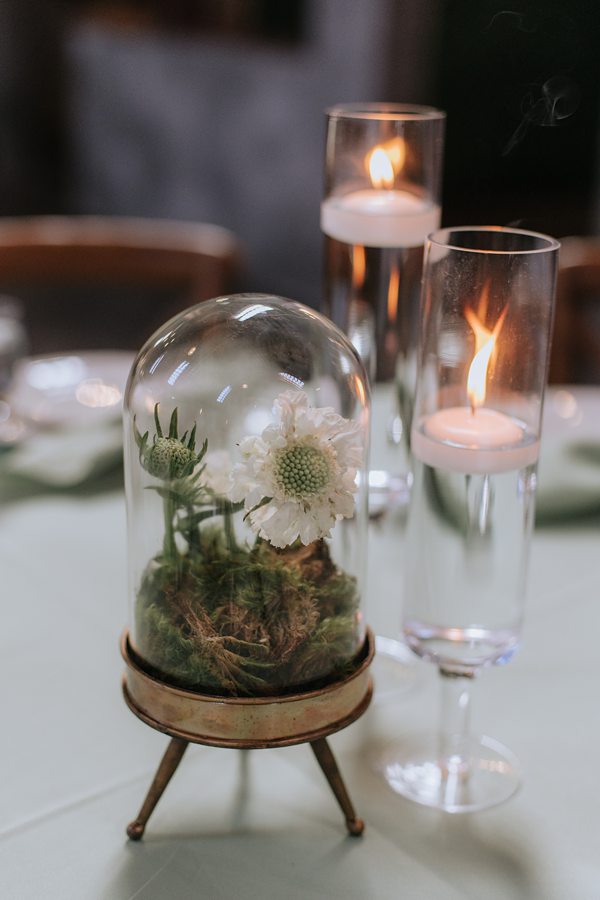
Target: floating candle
(379,218)
(382,215)
(480,442)
(475,439)
(481,429)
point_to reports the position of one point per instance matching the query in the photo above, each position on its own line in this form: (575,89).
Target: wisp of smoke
(516,18)
(556,99)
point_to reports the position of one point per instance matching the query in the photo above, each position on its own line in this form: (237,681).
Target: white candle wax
(379,218)
(480,429)
(482,442)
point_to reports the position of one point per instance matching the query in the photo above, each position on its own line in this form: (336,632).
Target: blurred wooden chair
(575,354)
(90,282)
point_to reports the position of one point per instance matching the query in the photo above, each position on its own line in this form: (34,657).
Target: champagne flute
(488,298)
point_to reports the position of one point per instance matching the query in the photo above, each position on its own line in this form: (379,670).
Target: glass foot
(395,669)
(487,774)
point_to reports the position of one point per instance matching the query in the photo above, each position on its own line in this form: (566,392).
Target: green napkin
(84,460)
(568,485)
(568,480)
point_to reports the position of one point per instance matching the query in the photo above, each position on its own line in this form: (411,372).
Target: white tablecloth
(76,763)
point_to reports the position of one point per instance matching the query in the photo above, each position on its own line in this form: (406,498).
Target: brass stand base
(247,723)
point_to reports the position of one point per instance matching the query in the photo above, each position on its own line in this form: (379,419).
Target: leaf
(263,502)
(187,469)
(168,494)
(194,520)
(226,506)
(173,424)
(157,421)
(140,439)
(220,509)
(197,474)
(192,441)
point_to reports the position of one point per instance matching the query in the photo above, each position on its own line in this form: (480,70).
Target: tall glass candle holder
(488,296)
(381,200)
(382,197)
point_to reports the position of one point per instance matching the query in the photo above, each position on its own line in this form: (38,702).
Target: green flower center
(302,471)
(168,458)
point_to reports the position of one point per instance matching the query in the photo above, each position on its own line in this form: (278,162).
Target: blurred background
(213,112)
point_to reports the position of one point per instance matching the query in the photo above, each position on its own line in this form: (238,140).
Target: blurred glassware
(14,344)
(382,197)
(70,390)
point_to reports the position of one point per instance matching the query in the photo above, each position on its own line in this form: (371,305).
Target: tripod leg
(326,760)
(164,773)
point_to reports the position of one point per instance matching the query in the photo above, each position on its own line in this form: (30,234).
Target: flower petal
(286,518)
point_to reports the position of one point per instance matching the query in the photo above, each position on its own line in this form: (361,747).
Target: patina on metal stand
(247,724)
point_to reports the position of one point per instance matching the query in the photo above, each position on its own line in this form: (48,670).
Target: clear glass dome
(246,449)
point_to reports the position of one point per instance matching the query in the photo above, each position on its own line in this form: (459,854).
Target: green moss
(253,621)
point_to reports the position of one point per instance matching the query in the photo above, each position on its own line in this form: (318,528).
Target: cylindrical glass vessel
(246,437)
(487,307)
(488,299)
(381,199)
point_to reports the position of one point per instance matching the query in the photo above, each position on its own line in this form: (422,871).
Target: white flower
(299,476)
(217,474)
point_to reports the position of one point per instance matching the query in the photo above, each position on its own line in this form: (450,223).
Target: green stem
(193,535)
(228,526)
(169,547)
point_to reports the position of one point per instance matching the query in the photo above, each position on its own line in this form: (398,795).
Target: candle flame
(381,169)
(485,342)
(385,161)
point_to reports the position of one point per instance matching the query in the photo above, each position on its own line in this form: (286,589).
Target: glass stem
(454,737)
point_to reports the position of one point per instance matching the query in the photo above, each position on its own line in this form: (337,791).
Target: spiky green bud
(172,457)
(168,458)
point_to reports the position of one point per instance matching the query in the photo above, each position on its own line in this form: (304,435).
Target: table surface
(76,763)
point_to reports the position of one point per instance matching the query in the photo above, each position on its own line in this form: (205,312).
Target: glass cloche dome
(246,448)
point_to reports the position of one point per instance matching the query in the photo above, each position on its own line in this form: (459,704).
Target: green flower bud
(168,458)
